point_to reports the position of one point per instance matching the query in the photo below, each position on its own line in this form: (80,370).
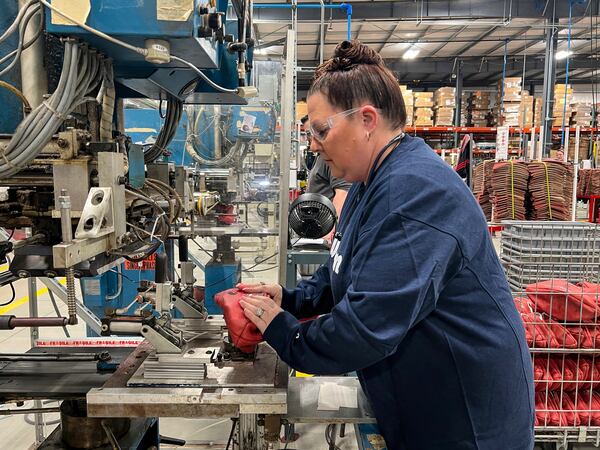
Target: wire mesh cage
(554,272)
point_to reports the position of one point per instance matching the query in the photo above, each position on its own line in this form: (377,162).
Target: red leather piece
(541,377)
(537,331)
(563,301)
(243,333)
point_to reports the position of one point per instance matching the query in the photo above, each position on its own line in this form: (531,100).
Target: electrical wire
(330,431)
(12,299)
(205,77)
(234,420)
(17,53)
(121,274)
(201,248)
(12,233)
(82,73)
(15,25)
(167,132)
(164,229)
(18,93)
(245,270)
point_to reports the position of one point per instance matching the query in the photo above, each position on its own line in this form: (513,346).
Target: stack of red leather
(551,186)
(566,302)
(509,187)
(568,409)
(567,374)
(541,331)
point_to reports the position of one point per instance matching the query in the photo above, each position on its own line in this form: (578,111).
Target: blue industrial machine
(199,33)
(192,30)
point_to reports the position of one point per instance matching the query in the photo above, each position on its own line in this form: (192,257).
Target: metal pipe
(566,83)
(14,357)
(299,6)
(10,412)
(119,285)
(345,6)
(26,322)
(322,32)
(64,202)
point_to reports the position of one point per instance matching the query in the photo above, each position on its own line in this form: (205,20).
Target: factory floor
(17,433)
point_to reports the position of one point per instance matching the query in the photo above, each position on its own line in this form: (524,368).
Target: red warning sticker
(147,264)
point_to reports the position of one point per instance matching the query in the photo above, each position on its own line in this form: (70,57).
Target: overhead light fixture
(411,53)
(260,51)
(562,54)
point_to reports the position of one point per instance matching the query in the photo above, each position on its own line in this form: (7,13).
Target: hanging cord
(548,190)
(562,141)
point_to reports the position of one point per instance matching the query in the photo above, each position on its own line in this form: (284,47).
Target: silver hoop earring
(368,136)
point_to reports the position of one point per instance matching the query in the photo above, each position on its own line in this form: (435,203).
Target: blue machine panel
(141,124)
(219,277)
(97,291)
(11,112)
(134,22)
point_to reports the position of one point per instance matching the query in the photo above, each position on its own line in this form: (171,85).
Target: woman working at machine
(413,298)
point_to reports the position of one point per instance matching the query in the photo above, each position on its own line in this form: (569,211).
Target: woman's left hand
(261,310)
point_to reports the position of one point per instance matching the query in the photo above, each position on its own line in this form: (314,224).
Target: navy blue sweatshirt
(415,300)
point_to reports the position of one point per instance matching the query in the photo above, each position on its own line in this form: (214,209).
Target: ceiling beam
(526,46)
(449,40)
(416,39)
(484,35)
(507,40)
(387,38)
(436,10)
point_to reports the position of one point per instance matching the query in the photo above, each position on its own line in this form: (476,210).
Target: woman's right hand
(274,291)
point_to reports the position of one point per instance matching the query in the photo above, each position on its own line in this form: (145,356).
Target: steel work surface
(25,380)
(249,388)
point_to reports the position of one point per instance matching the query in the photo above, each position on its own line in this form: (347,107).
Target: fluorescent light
(260,51)
(563,54)
(411,53)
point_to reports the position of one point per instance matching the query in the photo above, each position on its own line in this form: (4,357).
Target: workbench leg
(34,334)
(250,433)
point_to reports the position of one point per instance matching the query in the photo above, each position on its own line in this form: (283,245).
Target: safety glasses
(320,130)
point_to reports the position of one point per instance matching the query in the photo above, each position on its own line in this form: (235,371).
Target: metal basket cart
(554,272)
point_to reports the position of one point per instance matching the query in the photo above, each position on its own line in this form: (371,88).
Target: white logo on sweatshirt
(337,258)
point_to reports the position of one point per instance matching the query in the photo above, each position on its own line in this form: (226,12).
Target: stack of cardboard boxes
(423,112)
(444,106)
(526,110)
(563,94)
(479,108)
(537,111)
(581,114)
(508,102)
(409,103)
(465,114)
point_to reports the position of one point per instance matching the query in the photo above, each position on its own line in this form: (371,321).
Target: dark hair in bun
(356,75)
(347,55)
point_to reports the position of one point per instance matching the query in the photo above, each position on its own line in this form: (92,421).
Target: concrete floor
(17,434)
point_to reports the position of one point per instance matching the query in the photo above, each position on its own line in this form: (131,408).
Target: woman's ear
(369,117)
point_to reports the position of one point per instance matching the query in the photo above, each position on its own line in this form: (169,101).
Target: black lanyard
(395,140)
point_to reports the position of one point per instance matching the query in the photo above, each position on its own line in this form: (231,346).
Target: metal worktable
(27,380)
